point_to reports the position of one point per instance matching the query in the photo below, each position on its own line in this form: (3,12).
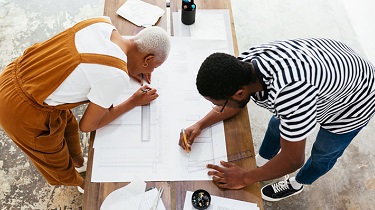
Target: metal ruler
(201,165)
(146,122)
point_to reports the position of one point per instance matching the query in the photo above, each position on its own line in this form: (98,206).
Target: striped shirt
(310,81)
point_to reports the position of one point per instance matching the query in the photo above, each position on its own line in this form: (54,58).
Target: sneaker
(279,190)
(82,168)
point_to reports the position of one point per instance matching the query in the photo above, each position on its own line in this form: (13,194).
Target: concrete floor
(349,185)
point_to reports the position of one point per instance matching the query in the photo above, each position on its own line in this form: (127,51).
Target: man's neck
(257,85)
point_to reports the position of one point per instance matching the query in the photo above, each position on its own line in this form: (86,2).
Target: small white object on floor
(80,189)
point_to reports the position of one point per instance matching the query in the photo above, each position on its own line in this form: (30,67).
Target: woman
(87,63)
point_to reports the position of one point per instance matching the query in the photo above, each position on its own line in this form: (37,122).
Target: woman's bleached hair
(154,40)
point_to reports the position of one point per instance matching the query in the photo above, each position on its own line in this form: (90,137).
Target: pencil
(185,141)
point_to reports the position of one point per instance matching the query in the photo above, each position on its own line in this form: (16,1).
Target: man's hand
(191,133)
(230,176)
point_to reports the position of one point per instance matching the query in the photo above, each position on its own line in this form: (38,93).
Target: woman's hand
(143,95)
(191,133)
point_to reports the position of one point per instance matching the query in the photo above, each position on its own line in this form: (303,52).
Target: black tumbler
(188,12)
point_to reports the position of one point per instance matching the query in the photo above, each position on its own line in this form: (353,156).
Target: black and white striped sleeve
(296,105)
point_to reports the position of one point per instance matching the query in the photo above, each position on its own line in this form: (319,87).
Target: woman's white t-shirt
(97,83)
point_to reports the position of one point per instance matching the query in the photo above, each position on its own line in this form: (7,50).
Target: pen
(156,203)
(145,90)
(185,141)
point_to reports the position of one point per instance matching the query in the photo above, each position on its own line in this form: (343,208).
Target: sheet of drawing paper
(120,154)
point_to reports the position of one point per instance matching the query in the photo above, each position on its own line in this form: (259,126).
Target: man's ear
(239,95)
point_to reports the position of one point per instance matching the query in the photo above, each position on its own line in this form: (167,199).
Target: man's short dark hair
(221,75)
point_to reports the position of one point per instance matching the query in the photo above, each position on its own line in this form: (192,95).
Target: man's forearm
(213,117)
(273,169)
(290,158)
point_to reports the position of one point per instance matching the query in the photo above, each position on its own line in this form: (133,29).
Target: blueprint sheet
(120,154)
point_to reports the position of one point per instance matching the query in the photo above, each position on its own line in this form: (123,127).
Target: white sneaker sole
(84,167)
(266,198)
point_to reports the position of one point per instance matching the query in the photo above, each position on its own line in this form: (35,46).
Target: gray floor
(349,185)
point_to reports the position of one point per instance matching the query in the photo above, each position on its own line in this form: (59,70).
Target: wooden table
(237,129)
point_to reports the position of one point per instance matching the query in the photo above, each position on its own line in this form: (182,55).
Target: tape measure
(146,122)
(201,165)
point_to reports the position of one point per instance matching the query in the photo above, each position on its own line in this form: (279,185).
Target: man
(87,63)
(303,82)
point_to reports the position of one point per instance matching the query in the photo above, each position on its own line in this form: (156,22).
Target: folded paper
(140,13)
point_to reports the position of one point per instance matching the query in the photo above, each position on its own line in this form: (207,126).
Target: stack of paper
(133,196)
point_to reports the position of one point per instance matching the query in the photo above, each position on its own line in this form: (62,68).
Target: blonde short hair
(154,40)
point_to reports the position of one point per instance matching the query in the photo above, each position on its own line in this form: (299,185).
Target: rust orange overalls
(47,134)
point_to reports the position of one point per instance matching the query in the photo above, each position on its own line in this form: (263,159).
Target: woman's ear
(148,58)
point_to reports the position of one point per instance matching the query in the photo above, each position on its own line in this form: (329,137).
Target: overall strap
(104,60)
(98,58)
(88,22)
(94,58)
(44,66)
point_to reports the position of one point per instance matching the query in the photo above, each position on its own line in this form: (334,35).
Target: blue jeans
(327,148)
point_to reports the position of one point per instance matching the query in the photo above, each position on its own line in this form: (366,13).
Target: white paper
(140,13)
(140,201)
(129,196)
(209,25)
(220,203)
(119,152)
(148,200)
